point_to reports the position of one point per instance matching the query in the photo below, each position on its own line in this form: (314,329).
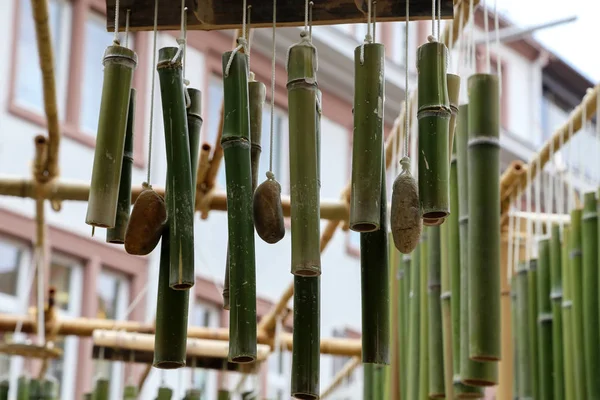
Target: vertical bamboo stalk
(304,159)
(180,205)
(119,63)
(545,356)
(242,270)
(223,395)
(424,318)
(23,388)
(567,326)
(194,122)
(434,122)
(4,388)
(117,233)
(591,331)
(556,295)
(102,389)
(453,82)
(414,335)
(130,392)
(436,349)
(367,139)
(404,343)
(398,335)
(484,218)
(471,373)
(368,381)
(576,267)
(164,393)
(532,277)
(517,341)
(49,389)
(35,389)
(193,394)
(305,350)
(375,293)
(446,303)
(523,372)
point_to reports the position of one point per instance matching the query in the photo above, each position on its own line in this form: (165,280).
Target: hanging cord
(472,35)
(432,21)
(498,57)
(305,35)
(368,36)
(127,27)
(375,21)
(151,123)
(116,39)
(241,41)
(406,160)
(180,55)
(249,25)
(439,19)
(486,30)
(310,18)
(461,47)
(270,173)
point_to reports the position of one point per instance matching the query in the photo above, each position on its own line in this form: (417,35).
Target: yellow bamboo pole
(346,370)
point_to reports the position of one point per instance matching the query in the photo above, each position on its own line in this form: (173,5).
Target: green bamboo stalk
(434,124)
(23,388)
(567,310)
(180,202)
(446,303)
(368,381)
(130,392)
(49,389)
(304,159)
(517,341)
(367,139)
(117,233)
(375,293)
(484,218)
(472,373)
(193,394)
(591,331)
(257,92)
(223,395)
(242,268)
(576,266)
(414,334)
(522,328)
(399,271)
(545,322)
(119,63)
(306,338)
(4,387)
(194,122)
(35,389)
(405,332)
(532,275)
(424,318)
(164,393)
(437,388)
(86,396)
(556,295)
(101,389)
(453,82)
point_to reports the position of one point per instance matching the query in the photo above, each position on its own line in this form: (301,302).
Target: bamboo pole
(437,389)
(522,328)
(545,356)
(414,336)
(567,311)
(556,296)
(339,378)
(576,268)
(532,275)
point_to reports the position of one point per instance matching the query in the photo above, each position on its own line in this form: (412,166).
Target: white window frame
(17,303)
(211,378)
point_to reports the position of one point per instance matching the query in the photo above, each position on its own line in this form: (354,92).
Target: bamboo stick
(23,388)
(342,374)
(556,296)
(404,344)
(400,333)
(545,356)
(414,336)
(436,348)
(164,393)
(369,382)
(194,122)
(567,310)
(446,299)
(532,277)
(517,341)
(424,318)
(130,392)
(522,328)
(453,83)
(101,389)
(4,388)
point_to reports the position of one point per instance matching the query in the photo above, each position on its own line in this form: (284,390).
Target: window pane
(96,40)
(60,279)
(108,289)
(10,256)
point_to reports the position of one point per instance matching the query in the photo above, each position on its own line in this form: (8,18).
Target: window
(10,257)
(28,77)
(399,42)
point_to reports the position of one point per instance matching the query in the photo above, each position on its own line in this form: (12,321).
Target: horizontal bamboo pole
(78,191)
(342,374)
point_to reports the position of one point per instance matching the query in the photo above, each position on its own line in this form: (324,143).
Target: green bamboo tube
(532,277)
(102,389)
(453,82)
(119,63)
(368,381)
(516,340)
(367,139)
(437,388)
(306,338)
(193,394)
(414,337)
(35,389)
(446,303)
(545,356)
(4,387)
(405,329)
(117,233)
(23,388)
(471,373)
(88,396)
(304,160)
(375,293)
(130,392)
(164,393)
(556,295)
(424,317)
(242,270)
(567,310)
(257,92)
(194,122)
(223,395)
(576,266)
(398,270)
(484,218)
(434,122)
(49,389)
(591,330)
(523,372)
(180,204)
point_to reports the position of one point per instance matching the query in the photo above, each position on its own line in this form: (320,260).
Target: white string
(127,28)
(406,108)
(116,39)
(375,21)
(529,220)
(472,37)
(450,46)
(439,20)
(151,123)
(488,67)
(270,174)
(241,41)
(368,37)
(249,50)
(432,20)
(498,57)
(461,48)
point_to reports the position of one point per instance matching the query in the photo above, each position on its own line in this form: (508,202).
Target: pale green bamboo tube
(404,343)
(49,389)
(471,373)
(399,267)
(119,63)
(516,341)
(556,295)
(435,357)
(86,396)
(101,389)
(4,387)
(130,392)
(368,381)
(193,394)
(223,395)
(446,303)
(367,139)
(180,204)
(453,82)
(545,356)
(523,372)
(576,266)
(434,121)
(591,314)
(567,311)
(35,389)
(164,393)
(414,337)
(304,159)
(23,388)
(533,326)
(424,318)
(484,218)
(117,233)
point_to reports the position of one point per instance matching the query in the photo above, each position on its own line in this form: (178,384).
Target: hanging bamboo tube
(404,344)
(424,318)
(304,164)
(472,373)
(517,342)
(532,277)
(117,233)
(164,393)
(556,295)
(193,394)
(23,388)
(368,381)
(446,304)
(576,267)
(414,336)
(367,139)
(194,123)
(4,388)
(257,92)
(223,395)
(434,121)
(305,351)
(591,330)
(130,392)
(180,199)
(484,218)
(403,268)
(567,310)
(119,63)
(435,336)
(242,269)
(101,389)
(522,328)
(545,355)
(375,293)
(453,82)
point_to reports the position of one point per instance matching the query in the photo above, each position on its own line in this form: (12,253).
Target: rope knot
(241,41)
(270,176)
(431,39)
(405,162)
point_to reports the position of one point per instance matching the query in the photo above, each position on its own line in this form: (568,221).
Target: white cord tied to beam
(305,35)
(180,55)
(368,36)
(242,43)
